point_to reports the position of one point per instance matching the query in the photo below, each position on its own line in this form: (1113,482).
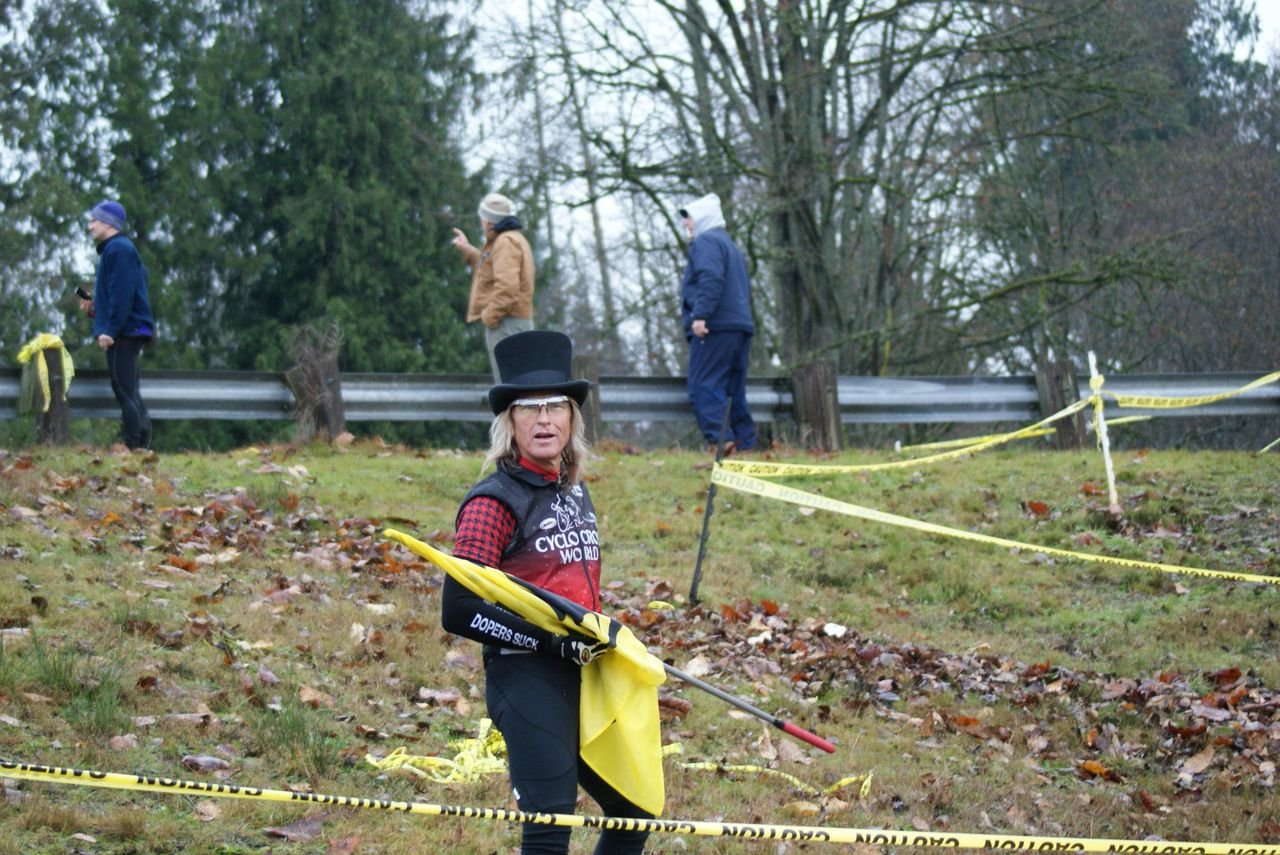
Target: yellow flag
(618,732)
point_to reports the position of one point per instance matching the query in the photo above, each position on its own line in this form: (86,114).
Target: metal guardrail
(461,397)
(920,400)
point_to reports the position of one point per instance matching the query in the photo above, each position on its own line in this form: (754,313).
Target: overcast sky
(1269,17)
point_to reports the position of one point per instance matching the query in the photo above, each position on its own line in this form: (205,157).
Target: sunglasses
(555,404)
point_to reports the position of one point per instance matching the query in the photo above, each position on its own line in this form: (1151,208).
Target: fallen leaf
(460,661)
(315,698)
(1094,769)
(1197,763)
(765,747)
(305,829)
(440,697)
(1185,732)
(10,794)
(789,752)
(1211,713)
(344,845)
(673,708)
(802,808)
(204,763)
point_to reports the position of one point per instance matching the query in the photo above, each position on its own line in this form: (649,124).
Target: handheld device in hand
(83,294)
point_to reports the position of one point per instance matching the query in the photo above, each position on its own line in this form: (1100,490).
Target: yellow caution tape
(962,447)
(484,755)
(767,469)
(967,441)
(1164,402)
(736,830)
(674,748)
(800,785)
(475,758)
(747,484)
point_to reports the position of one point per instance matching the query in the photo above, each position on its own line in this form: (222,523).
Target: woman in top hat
(533,518)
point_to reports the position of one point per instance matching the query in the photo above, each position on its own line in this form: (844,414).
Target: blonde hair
(502,444)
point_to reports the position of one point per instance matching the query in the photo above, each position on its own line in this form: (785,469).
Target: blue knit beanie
(110,213)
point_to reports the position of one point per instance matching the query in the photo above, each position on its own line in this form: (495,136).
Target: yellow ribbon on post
(36,348)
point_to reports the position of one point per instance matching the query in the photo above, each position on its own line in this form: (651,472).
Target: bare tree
(920,186)
(830,129)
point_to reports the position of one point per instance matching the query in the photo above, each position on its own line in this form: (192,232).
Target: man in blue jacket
(715,308)
(122,319)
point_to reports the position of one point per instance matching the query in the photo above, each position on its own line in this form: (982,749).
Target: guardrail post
(585,366)
(316,382)
(52,425)
(817,405)
(317,388)
(1057,388)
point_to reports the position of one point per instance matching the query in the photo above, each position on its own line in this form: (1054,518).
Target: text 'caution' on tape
(735,830)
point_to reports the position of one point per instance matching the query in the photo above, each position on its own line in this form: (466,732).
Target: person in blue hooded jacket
(715,308)
(122,318)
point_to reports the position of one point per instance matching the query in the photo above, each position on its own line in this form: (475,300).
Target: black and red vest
(556,545)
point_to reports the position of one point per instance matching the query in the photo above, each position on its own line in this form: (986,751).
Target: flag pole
(567,608)
(785,726)
(711,500)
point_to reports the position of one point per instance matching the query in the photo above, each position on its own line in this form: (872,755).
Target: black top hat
(535,361)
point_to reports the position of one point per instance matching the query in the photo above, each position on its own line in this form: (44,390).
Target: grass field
(238,618)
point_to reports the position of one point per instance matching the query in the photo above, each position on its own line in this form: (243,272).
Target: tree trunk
(817,405)
(1057,388)
(52,427)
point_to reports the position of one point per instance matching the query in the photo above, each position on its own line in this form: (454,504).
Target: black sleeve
(465,614)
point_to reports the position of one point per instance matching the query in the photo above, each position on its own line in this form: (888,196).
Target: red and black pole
(785,726)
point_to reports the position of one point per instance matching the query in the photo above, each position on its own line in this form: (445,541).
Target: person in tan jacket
(502,274)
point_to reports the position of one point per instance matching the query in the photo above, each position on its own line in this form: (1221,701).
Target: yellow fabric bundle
(619,733)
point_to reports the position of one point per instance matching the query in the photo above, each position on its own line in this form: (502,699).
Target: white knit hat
(496,207)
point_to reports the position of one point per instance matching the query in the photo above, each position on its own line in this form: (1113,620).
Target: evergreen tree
(282,164)
(48,159)
(339,181)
